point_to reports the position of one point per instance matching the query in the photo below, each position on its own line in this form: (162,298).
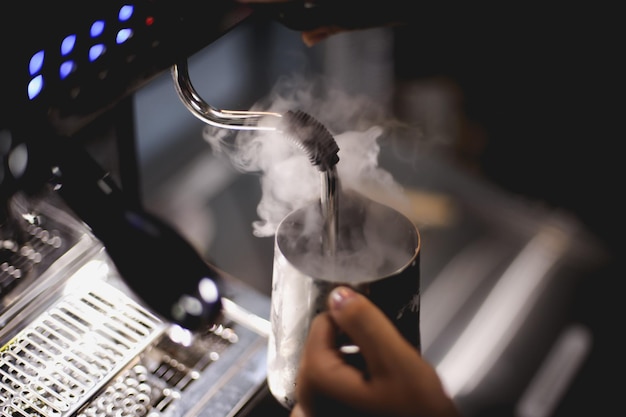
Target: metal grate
(130,394)
(159,377)
(52,366)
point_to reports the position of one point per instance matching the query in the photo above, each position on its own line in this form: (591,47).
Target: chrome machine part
(76,342)
(227,119)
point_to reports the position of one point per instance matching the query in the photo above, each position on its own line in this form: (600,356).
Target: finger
(321,333)
(380,343)
(323,368)
(297,411)
(321,355)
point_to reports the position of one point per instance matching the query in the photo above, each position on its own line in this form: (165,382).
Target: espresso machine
(79,336)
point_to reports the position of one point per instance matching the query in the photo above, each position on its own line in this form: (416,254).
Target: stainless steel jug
(377,253)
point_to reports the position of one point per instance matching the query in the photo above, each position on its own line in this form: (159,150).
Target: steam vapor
(288,180)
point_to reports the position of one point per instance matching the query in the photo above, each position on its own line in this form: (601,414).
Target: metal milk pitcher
(376,252)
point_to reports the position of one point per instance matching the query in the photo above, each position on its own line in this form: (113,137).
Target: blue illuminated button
(97,28)
(35,86)
(123,35)
(66,69)
(68,44)
(125,12)
(96,51)
(36,63)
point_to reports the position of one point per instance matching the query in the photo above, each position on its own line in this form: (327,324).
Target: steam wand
(305,131)
(227,119)
(330,210)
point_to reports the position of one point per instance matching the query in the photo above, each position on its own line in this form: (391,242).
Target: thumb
(379,341)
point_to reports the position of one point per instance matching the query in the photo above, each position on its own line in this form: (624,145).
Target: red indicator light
(149,20)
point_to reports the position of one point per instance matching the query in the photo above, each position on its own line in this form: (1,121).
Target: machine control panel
(67,62)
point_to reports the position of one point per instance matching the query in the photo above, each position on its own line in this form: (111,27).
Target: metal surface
(228,119)
(77,342)
(329,200)
(55,364)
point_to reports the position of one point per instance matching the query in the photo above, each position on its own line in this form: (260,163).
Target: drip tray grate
(51,367)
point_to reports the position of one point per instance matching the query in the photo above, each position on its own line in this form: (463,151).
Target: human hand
(399,382)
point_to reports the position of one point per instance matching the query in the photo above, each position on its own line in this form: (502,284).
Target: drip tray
(64,356)
(96,351)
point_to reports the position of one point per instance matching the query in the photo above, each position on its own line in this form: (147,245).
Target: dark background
(540,93)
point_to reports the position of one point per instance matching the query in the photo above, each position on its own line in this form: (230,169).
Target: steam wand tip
(312,137)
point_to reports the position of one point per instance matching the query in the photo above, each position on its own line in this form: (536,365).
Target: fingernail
(339,296)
